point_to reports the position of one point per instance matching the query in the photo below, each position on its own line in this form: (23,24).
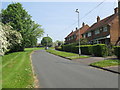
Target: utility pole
(77,11)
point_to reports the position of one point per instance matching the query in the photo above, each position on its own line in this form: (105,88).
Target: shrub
(86,49)
(100,50)
(58,48)
(117,51)
(68,47)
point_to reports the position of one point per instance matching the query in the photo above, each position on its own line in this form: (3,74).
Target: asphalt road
(56,72)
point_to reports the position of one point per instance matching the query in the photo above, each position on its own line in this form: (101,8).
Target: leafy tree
(46,41)
(3,41)
(21,21)
(9,38)
(59,43)
(83,41)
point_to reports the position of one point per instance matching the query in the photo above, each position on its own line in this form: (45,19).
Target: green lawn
(17,70)
(66,54)
(106,63)
(0,72)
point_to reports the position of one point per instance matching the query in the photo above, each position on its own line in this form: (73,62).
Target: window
(84,35)
(105,29)
(74,36)
(89,34)
(97,31)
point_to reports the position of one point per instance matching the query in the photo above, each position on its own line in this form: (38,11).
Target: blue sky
(58,18)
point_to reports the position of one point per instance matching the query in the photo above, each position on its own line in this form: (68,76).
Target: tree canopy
(16,16)
(46,41)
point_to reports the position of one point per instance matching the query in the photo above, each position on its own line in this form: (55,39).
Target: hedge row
(96,50)
(59,48)
(117,51)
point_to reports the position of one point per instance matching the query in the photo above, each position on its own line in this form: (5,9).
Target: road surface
(56,72)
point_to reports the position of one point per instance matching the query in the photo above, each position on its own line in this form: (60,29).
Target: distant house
(105,31)
(74,35)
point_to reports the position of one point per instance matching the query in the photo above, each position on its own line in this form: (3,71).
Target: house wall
(114,31)
(101,34)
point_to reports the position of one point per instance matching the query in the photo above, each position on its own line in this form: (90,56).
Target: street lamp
(77,11)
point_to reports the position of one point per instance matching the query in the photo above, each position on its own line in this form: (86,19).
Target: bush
(68,47)
(117,51)
(86,49)
(96,50)
(100,50)
(58,48)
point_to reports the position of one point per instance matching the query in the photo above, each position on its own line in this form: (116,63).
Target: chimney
(76,28)
(83,24)
(98,18)
(116,10)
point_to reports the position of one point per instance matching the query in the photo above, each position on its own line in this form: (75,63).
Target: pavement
(88,61)
(57,72)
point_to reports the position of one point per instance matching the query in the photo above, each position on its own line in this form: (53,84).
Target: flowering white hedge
(3,41)
(8,38)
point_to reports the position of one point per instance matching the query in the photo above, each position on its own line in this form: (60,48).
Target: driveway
(56,72)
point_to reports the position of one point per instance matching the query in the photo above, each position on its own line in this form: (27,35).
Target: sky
(58,19)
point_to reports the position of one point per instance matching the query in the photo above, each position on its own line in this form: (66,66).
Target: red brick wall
(114,31)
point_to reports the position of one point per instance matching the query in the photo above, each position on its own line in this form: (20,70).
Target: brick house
(74,35)
(105,31)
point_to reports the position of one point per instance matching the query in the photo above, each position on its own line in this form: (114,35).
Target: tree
(21,21)
(46,41)
(59,43)
(83,41)
(9,38)
(3,41)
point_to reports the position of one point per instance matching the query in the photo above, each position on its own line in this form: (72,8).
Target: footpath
(88,61)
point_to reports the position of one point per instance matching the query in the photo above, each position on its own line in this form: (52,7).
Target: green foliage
(58,48)
(117,51)
(86,49)
(83,41)
(58,43)
(21,21)
(68,47)
(96,50)
(46,41)
(100,50)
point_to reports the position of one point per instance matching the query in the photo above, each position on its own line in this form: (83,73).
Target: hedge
(68,47)
(58,48)
(86,49)
(96,50)
(99,50)
(117,51)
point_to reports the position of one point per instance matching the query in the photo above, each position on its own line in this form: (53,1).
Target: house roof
(102,22)
(82,30)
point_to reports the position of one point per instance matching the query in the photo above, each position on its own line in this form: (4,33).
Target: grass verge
(66,54)
(106,63)
(16,70)
(0,72)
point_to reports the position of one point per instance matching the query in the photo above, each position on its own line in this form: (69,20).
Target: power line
(92,9)
(86,14)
